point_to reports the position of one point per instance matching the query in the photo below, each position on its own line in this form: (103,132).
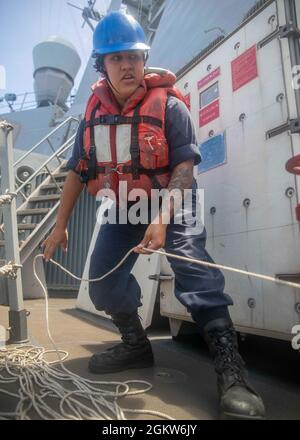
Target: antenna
(88,13)
(216,28)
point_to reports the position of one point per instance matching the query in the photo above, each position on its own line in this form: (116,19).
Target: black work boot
(238,400)
(134,352)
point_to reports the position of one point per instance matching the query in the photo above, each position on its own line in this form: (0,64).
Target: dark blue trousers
(199,288)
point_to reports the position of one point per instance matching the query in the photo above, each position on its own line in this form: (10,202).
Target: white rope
(189,260)
(38,380)
(229,268)
(7,198)
(4,125)
(9,270)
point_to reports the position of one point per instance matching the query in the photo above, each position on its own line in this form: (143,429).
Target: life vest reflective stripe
(129,146)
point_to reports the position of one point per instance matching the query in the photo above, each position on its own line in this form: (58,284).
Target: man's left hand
(154,238)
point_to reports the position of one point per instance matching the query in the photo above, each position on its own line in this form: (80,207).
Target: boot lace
(227,358)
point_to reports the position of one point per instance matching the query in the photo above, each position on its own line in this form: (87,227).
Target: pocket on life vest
(153,152)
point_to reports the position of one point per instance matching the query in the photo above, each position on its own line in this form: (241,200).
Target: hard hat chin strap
(110,83)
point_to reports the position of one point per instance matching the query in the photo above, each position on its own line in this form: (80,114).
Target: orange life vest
(129,145)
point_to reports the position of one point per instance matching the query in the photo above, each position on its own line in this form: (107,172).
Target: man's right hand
(59,236)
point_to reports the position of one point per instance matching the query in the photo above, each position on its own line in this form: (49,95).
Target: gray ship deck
(183,378)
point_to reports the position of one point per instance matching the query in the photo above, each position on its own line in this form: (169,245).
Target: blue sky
(24,23)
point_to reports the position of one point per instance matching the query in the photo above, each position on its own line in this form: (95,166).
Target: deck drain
(168,375)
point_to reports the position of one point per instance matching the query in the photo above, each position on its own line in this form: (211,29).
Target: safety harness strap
(120,119)
(134,146)
(126,169)
(91,158)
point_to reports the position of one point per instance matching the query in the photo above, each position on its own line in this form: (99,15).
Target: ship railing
(67,144)
(12,102)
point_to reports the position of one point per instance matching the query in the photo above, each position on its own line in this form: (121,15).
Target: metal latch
(161,277)
(289,30)
(293,125)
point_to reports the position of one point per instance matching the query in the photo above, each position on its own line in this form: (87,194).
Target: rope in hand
(189,260)
(229,268)
(27,365)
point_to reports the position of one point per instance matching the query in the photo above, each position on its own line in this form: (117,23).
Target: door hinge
(289,30)
(295,125)
(160,277)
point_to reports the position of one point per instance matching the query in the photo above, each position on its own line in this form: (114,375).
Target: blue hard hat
(118,32)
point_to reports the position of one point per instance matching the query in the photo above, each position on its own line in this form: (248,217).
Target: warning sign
(213,153)
(209,113)
(244,68)
(208,78)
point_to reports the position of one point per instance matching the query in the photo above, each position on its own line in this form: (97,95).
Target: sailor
(137,131)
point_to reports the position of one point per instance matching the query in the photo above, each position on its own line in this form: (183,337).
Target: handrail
(45,138)
(64,147)
(26,101)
